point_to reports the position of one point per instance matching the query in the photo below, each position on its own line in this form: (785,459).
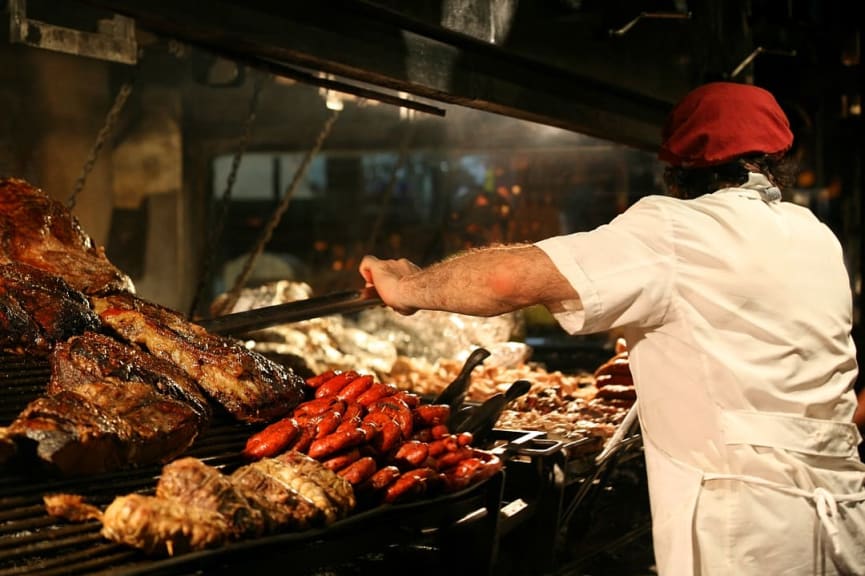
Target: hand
(385,276)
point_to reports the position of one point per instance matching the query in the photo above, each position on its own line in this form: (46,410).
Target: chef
(737,311)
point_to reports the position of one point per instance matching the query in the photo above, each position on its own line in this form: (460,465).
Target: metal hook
(750,58)
(653,15)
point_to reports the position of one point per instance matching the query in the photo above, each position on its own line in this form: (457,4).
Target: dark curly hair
(693,182)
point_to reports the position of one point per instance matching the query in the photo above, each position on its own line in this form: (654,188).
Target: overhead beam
(358,41)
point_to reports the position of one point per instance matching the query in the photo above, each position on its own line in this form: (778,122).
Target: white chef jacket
(737,312)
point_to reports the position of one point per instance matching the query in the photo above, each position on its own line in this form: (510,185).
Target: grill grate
(36,544)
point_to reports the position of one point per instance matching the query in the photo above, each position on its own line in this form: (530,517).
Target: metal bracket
(115,41)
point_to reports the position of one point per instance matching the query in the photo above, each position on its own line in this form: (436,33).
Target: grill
(542,505)
(459,528)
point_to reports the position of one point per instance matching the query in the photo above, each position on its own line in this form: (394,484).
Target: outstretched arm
(483,282)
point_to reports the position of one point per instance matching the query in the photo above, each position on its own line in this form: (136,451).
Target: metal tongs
(258,318)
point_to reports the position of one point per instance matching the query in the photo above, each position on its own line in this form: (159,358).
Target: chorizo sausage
(412,483)
(375,393)
(383,477)
(359,471)
(398,411)
(355,388)
(450,459)
(271,440)
(303,440)
(318,380)
(335,442)
(429,415)
(386,431)
(327,423)
(316,406)
(335,384)
(340,461)
(412,454)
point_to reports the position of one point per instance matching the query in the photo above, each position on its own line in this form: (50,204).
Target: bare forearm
(483,282)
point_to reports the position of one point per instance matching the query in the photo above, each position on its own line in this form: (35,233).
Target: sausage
(399,411)
(327,423)
(340,461)
(412,454)
(383,477)
(355,388)
(464,438)
(354,412)
(450,459)
(387,432)
(272,440)
(316,381)
(447,444)
(440,431)
(411,400)
(359,471)
(303,440)
(430,415)
(412,483)
(375,393)
(335,442)
(316,406)
(335,384)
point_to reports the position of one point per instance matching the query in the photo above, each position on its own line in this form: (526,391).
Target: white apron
(746,408)
(677,550)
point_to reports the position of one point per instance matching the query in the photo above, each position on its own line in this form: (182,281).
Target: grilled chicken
(249,386)
(39,231)
(38,309)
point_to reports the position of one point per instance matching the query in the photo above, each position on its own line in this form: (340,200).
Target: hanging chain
(101,138)
(267,233)
(219,226)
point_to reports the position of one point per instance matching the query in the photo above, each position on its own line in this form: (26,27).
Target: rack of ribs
(39,231)
(109,406)
(38,309)
(247,385)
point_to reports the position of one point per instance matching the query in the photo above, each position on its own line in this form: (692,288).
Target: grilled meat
(105,425)
(248,385)
(156,525)
(38,309)
(39,231)
(193,483)
(72,507)
(93,356)
(282,506)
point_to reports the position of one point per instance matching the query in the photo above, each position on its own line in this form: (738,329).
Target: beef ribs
(38,309)
(39,231)
(194,483)
(91,356)
(106,425)
(249,386)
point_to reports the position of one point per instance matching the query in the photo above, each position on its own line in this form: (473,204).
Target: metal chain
(101,138)
(267,233)
(219,227)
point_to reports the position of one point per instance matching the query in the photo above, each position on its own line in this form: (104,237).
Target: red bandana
(720,121)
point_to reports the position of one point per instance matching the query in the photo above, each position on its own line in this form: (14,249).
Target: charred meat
(161,526)
(193,483)
(106,425)
(248,385)
(39,231)
(38,309)
(93,356)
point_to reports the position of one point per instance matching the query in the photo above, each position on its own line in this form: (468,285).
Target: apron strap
(825,503)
